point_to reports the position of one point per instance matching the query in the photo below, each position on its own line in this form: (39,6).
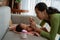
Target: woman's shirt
(54,23)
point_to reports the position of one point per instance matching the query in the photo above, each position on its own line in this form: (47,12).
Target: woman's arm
(41,32)
(54,28)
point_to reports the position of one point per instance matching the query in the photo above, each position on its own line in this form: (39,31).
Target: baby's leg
(36,34)
(12,27)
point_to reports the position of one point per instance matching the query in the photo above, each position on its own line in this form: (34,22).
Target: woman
(51,16)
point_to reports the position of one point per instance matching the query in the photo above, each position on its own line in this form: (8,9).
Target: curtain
(30,5)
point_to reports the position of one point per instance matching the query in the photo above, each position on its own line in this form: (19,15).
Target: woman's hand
(33,25)
(43,28)
(32,22)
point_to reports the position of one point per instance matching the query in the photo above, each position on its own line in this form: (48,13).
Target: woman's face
(40,15)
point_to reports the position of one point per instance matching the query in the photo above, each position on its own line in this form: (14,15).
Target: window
(56,4)
(30,4)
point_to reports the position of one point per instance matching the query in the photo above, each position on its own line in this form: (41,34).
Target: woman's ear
(44,11)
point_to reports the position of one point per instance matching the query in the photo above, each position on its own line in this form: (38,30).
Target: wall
(4,19)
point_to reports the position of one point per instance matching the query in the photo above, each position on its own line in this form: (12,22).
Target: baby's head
(22,26)
(19,28)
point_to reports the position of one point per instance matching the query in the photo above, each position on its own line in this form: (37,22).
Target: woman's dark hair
(52,10)
(42,6)
(19,28)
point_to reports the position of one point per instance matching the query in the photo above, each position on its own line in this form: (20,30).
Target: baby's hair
(19,28)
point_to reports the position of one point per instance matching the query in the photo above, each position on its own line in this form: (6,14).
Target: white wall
(56,4)
(4,19)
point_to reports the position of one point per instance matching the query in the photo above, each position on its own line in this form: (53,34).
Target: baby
(30,28)
(18,28)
